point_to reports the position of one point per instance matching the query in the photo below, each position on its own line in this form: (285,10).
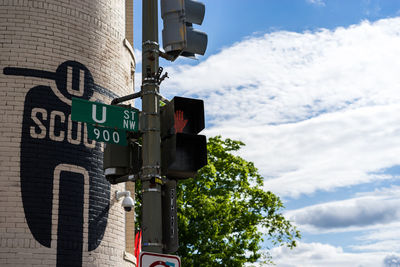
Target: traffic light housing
(183,151)
(121,161)
(179,36)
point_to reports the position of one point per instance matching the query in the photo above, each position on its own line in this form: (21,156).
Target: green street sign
(108,135)
(105,115)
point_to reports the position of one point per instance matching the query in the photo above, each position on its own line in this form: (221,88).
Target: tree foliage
(224,214)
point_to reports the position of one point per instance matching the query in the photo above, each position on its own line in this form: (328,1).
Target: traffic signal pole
(151,169)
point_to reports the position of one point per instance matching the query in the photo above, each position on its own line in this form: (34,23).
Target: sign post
(151,170)
(147,259)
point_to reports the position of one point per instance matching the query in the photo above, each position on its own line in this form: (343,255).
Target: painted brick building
(56,207)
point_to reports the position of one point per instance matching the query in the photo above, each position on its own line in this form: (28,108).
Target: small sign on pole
(108,135)
(149,259)
(105,115)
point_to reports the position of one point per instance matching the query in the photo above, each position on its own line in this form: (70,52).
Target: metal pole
(151,170)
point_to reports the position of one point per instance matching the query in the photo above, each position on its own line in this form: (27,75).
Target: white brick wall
(36,37)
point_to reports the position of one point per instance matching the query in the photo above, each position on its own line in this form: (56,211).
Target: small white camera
(128,202)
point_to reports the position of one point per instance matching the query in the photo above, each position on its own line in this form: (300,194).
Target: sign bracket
(121,99)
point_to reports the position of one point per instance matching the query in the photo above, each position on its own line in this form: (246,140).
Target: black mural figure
(56,156)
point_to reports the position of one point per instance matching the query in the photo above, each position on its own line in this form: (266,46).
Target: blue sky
(311,87)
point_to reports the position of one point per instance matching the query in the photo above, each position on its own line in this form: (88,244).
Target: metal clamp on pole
(162,98)
(150,130)
(150,113)
(152,245)
(149,80)
(150,176)
(155,92)
(151,190)
(150,43)
(151,167)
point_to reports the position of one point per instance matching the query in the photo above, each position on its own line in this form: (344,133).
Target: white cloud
(284,76)
(371,7)
(317,255)
(383,238)
(371,218)
(316,2)
(370,211)
(138,56)
(317,110)
(388,233)
(383,245)
(333,150)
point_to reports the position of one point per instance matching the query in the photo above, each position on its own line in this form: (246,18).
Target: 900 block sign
(108,135)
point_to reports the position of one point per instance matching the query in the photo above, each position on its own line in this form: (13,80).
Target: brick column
(56,208)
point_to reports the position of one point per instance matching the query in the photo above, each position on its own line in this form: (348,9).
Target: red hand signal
(180,122)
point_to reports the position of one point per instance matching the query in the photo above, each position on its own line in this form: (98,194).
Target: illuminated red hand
(180,122)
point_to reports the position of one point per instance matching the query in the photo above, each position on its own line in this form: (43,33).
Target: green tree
(224,213)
